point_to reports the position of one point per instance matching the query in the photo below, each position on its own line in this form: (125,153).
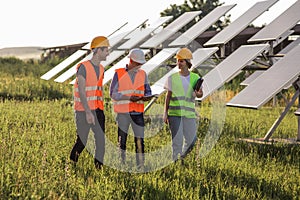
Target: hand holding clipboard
(198,84)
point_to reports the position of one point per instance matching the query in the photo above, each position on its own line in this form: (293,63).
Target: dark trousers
(83,129)
(137,123)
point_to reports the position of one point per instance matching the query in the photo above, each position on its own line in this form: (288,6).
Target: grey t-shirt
(81,70)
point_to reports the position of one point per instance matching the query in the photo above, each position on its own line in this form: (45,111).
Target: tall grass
(38,131)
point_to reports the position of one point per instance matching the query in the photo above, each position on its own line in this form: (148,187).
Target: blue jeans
(182,128)
(137,123)
(83,129)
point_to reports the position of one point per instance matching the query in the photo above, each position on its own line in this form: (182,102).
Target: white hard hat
(137,55)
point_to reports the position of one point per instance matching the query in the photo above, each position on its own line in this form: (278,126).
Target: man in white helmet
(129,89)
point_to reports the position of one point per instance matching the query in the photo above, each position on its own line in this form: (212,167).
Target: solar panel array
(201,26)
(240,24)
(270,83)
(279,26)
(260,87)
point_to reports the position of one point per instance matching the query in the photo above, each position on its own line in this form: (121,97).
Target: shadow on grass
(287,154)
(260,187)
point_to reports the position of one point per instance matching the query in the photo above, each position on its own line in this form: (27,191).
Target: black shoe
(98,164)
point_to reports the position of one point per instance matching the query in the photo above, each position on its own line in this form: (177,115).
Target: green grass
(37,136)
(37,132)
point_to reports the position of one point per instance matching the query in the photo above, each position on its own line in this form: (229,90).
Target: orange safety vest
(127,88)
(93,88)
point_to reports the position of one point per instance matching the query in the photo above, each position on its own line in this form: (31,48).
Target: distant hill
(23,53)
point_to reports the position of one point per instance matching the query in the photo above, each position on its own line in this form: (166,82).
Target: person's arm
(167,86)
(147,91)
(113,91)
(82,95)
(166,107)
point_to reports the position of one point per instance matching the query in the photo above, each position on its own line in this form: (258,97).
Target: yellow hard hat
(184,53)
(99,41)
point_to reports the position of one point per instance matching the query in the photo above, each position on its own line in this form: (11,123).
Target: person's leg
(123,121)
(176,128)
(82,129)
(138,125)
(189,133)
(99,130)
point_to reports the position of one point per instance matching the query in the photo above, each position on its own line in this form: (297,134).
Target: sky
(46,23)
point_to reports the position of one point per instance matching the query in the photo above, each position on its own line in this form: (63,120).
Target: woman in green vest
(179,110)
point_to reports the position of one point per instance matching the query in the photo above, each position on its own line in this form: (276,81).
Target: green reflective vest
(181,103)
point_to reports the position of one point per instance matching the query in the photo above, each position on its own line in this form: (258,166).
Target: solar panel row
(261,86)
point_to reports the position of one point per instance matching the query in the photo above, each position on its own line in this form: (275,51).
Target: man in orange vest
(88,101)
(129,89)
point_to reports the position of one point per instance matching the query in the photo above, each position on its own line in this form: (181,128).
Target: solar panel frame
(170,29)
(230,67)
(240,23)
(287,20)
(198,28)
(270,83)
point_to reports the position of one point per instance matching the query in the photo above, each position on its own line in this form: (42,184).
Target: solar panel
(290,46)
(171,29)
(70,72)
(284,51)
(252,77)
(113,40)
(297,112)
(270,83)
(280,25)
(140,34)
(199,56)
(230,67)
(158,59)
(240,23)
(108,75)
(198,28)
(65,63)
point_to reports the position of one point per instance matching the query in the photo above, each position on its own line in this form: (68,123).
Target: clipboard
(198,84)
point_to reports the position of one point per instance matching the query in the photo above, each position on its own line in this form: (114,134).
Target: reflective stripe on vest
(182,104)
(127,88)
(93,88)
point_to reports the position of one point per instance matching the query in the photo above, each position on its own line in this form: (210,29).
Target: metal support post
(296,85)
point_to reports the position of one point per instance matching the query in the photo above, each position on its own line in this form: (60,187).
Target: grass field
(37,133)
